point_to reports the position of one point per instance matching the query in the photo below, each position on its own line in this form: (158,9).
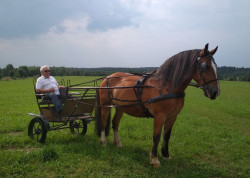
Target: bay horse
(163,99)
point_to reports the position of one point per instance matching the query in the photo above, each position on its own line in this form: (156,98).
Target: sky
(121,33)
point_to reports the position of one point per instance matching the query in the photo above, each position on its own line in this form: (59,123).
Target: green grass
(209,139)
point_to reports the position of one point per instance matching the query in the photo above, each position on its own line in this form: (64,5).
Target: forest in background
(224,73)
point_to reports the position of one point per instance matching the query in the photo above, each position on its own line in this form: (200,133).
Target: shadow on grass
(132,159)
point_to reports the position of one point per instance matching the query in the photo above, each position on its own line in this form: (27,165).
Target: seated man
(48,85)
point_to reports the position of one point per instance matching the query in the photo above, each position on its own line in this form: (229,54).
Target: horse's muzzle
(211,92)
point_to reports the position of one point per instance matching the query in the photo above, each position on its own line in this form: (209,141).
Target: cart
(81,106)
(78,111)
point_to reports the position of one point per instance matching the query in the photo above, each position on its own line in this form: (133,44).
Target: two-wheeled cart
(81,106)
(79,110)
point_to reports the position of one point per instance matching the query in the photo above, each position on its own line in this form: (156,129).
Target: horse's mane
(178,69)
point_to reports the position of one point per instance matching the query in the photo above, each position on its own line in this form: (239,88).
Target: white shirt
(47,83)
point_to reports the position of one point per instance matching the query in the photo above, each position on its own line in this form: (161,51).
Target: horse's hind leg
(104,118)
(115,125)
(167,132)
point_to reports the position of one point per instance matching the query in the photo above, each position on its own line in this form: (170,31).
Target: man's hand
(51,90)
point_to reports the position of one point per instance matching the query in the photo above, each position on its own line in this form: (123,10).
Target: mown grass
(209,139)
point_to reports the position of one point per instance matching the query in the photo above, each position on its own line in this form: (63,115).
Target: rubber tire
(76,127)
(37,130)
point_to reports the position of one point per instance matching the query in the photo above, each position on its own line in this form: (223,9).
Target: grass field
(209,139)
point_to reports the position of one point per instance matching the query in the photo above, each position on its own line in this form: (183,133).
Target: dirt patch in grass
(13,133)
(15,149)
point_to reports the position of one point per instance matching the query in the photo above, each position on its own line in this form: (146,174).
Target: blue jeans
(55,100)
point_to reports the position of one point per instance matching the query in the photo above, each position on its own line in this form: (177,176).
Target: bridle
(202,68)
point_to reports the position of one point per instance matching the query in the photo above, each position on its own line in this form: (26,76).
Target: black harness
(161,97)
(202,68)
(139,92)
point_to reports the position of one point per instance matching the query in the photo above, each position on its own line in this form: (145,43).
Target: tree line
(34,71)
(234,73)
(224,73)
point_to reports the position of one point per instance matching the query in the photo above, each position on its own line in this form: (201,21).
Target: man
(48,85)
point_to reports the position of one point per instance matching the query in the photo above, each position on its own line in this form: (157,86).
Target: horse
(158,94)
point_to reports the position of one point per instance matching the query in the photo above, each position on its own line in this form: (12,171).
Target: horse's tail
(98,119)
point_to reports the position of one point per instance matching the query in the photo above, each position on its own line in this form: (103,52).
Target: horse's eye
(203,66)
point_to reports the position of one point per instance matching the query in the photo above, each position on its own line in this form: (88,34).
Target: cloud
(22,19)
(125,33)
(76,46)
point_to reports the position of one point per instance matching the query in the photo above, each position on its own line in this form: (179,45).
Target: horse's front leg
(167,132)
(164,149)
(158,123)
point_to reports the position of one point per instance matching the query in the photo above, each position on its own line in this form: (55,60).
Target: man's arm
(41,90)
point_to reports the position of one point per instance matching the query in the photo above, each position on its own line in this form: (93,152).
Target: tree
(1,74)
(9,71)
(34,71)
(25,71)
(246,77)
(21,73)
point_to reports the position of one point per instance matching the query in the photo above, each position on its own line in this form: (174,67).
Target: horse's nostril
(213,96)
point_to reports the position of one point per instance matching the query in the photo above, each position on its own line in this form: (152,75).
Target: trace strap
(165,97)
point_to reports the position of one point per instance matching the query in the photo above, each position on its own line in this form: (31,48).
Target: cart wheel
(78,127)
(37,130)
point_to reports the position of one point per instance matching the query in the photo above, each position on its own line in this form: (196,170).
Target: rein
(204,85)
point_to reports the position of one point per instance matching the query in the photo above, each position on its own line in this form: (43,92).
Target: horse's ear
(206,47)
(205,51)
(213,51)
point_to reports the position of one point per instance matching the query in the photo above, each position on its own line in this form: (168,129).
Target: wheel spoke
(37,130)
(34,128)
(34,133)
(36,125)
(78,127)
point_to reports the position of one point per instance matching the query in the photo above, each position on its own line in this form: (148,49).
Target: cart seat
(40,96)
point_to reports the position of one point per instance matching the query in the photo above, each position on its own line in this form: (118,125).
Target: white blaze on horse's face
(215,71)
(209,77)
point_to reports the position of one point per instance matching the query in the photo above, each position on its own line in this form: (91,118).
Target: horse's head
(206,73)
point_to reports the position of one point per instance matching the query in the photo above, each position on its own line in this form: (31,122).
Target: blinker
(203,66)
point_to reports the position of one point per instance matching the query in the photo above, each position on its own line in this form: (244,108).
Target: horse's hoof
(156,165)
(154,161)
(119,145)
(165,158)
(104,144)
